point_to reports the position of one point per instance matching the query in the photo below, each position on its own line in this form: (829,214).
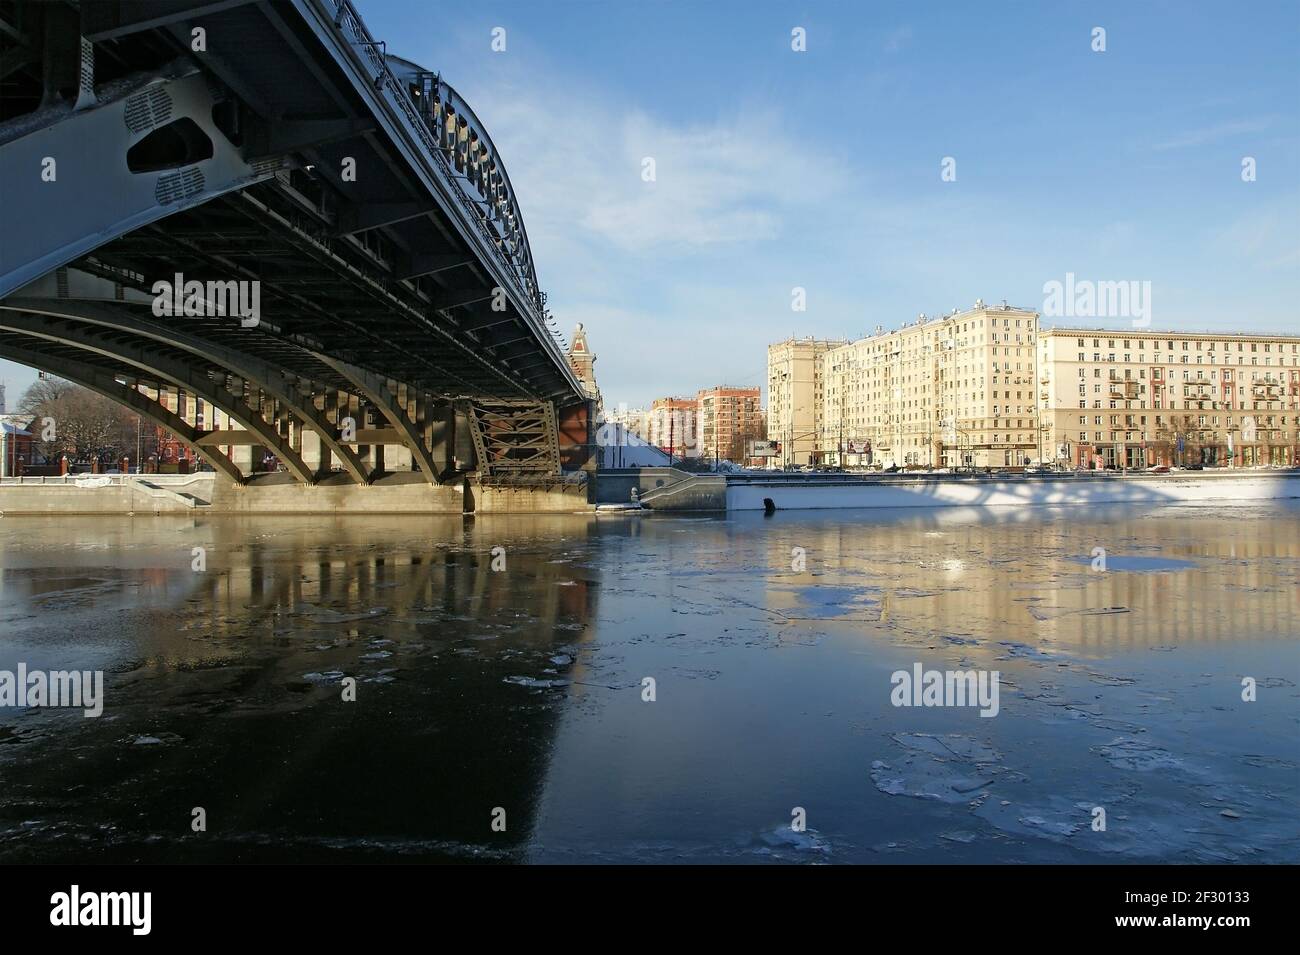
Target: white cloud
(739,179)
(1213,134)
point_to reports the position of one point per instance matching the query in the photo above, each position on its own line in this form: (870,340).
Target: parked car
(1159,469)
(1196,467)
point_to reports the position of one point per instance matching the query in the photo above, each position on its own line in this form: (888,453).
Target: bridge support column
(439,431)
(462,436)
(382,394)
(313,453)
(244,455)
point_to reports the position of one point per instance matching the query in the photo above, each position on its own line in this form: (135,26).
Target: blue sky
(821,169)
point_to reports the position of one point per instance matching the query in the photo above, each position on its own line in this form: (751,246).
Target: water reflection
(237,672)
(770,642)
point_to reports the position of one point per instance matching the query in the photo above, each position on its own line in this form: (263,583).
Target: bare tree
(77,422)
(41,391)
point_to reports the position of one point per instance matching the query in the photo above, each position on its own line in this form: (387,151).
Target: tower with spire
(583,363)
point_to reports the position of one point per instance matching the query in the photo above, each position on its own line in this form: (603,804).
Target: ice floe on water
(1051,817)
(535,683)
(948,768)
(1140,810)
(156,739)
(1139,756)
(323,679)
(784,837)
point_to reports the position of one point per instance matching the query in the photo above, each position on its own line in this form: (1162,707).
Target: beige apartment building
(795,398)
(1141,398)
(951,391)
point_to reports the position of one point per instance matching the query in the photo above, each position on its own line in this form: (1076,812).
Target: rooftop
(1165,333)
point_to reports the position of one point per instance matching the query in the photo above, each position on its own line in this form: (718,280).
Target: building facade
(634,421)
(16,445)
(729,420)
(795,398)
(673,427)
(1132,399)
(951,391)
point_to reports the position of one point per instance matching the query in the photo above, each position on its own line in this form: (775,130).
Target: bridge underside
(398,326)
(321,418)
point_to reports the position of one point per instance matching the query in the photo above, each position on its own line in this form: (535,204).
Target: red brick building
(729,419)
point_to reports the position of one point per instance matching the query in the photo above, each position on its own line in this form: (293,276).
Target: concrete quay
(212,494)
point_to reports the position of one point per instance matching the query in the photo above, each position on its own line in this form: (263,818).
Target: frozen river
(1126,642)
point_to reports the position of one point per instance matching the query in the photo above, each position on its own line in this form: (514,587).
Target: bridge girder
(104,197)
(380,394)
(276,382)
(157,365)
(104,382)
(514,438)
(400,306)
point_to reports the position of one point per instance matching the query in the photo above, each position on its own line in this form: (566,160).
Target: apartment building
(635,421)
(795,398)
(673,426)
(1132,399)
(729,419)
(955,390)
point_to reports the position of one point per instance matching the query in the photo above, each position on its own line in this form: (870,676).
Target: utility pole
(846,375)
(717,440)
(672,420)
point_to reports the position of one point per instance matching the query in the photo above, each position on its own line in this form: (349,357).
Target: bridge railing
(349,23)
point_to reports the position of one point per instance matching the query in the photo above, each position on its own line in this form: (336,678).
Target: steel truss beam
(171,370)
(380,392)
(292,391)
(105,382)
(110,19)
(515,437)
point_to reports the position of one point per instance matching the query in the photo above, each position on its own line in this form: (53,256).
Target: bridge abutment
(395,493)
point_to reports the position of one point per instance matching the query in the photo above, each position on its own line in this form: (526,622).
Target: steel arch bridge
(164,162)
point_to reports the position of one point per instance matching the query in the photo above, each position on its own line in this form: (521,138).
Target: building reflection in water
(1171,574)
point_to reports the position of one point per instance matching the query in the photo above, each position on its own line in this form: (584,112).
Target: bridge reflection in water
(236,671)
(773,686)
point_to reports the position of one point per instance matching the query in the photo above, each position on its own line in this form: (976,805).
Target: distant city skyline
(822,170)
